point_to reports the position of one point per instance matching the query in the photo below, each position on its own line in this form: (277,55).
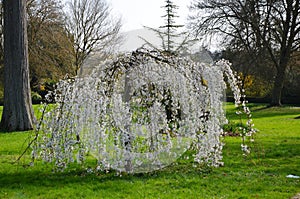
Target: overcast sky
(139,13)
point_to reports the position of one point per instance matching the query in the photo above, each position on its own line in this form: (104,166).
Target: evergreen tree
(168,33)
(170,27)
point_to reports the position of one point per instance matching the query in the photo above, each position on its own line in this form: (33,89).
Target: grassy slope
(263,175)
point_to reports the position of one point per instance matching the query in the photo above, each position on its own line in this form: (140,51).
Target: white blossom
(140,112)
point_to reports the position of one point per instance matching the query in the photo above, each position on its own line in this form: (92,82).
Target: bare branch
(92,27)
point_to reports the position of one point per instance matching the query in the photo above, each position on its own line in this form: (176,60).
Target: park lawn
(275,154)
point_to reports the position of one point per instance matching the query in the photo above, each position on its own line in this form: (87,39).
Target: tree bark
(17,112)
(280,77)
(278,87)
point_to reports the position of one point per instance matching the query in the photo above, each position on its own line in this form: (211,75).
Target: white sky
(138,13)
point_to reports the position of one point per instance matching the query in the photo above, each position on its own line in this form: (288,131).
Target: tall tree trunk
(277,89)
(280,77)
(17,112)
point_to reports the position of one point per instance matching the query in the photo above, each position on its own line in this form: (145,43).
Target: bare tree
(93,28)
(17,112)
(268,28)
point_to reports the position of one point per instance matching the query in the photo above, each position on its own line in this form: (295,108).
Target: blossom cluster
(139,112)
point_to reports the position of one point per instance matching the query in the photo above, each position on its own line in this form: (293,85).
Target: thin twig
(36,135)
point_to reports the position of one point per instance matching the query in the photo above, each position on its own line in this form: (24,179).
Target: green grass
(276,153)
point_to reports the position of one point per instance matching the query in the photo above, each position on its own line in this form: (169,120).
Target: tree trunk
(279,79)
(277,89)
(17,112)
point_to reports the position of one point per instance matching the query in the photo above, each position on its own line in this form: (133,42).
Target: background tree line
(61,36)
(261,38)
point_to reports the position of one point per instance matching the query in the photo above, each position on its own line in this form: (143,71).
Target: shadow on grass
(39,177)
(265,111)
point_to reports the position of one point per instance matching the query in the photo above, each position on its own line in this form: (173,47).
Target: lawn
(275,154)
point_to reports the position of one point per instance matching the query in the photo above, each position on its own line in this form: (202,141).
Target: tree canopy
(55,49)
(92,27)
(263,29)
